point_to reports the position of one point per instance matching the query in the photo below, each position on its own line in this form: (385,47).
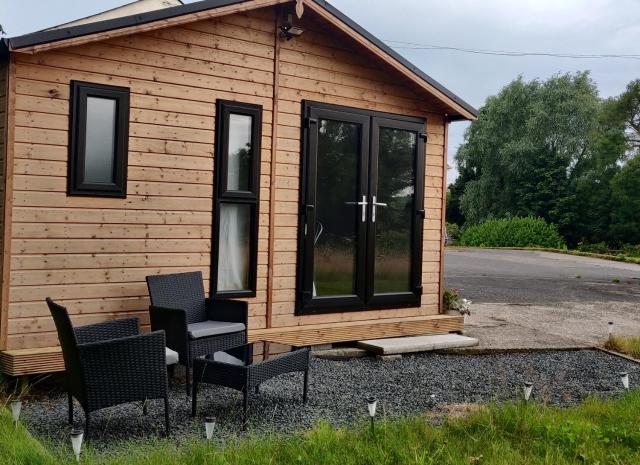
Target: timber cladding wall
(93,254)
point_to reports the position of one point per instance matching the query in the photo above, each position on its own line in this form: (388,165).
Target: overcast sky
(565,26)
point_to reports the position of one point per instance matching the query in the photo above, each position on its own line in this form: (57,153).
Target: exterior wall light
(527,389)
(610,329)
(288,31)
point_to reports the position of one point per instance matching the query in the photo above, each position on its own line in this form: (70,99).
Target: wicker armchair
(194,325)
(110,364)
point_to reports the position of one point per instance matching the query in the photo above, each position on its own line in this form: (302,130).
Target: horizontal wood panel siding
(4,81)
(323,65)
(92,254)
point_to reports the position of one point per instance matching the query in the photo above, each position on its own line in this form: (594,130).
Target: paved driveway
(526,299)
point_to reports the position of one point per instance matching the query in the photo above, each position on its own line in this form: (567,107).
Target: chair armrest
(105,331)
(130,364)
(235,311)
(173,321)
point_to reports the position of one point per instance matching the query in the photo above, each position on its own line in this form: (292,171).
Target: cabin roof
(29,42)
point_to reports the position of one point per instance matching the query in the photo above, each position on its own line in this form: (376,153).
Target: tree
(624,112)
(521,150)
(625,204)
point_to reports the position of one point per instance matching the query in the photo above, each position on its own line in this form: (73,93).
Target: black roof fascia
(53,35)
(42,37)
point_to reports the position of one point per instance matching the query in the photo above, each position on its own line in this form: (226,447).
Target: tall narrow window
(235,230)
(98,144)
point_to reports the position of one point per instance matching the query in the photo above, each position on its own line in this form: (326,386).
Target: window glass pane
(240,153)
(396,181)
(234,247)
(100,141)
(337,214)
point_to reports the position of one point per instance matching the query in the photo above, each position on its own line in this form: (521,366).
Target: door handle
(362,204)
(375,204)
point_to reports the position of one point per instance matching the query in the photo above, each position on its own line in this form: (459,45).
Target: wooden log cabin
(274,145)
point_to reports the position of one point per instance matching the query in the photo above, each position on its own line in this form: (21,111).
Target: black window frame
(312,112)
(251,197)
(77,140)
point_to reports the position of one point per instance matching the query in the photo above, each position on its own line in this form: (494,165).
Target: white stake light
(16,408)
(624,379)
(77,435)
(209,426)
(527,389)
(372,405)
(610,329)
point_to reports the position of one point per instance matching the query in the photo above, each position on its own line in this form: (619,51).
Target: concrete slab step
(405,345)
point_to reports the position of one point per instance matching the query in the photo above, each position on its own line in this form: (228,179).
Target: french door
(362,210)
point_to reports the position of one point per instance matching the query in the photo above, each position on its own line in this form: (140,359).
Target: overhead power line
(509,53)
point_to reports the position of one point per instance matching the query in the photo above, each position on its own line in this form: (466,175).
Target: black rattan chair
(110,364)
(194,325)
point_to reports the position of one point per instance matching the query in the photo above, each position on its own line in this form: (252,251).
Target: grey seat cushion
(213,328)
(172,356)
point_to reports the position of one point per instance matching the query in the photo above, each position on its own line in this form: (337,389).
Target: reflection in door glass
(336,212)
(393,227)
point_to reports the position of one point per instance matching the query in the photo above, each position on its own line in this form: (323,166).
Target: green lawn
(596,433)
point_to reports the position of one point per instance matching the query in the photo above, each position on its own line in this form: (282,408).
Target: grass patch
(596,432)
(629,345)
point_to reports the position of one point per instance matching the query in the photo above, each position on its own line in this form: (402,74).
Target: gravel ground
(338,390)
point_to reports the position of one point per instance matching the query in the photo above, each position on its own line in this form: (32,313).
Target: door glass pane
(337,214)
(239,169)
(393,226)
(100,141)
(234,247)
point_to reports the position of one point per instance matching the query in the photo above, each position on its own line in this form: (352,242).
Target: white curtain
(233,247)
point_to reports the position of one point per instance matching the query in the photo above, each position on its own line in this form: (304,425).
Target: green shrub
(513,232)
(631,250)
(600,247)
(454,232)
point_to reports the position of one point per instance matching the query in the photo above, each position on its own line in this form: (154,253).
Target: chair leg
(245,408)
(194,399)
(188,372)
(305,393)
(167,424)
(70,397)
(170,373)
(87,424)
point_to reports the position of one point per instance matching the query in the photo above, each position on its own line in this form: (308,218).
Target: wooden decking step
(405,345)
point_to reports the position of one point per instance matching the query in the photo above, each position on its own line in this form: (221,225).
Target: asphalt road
(539,278)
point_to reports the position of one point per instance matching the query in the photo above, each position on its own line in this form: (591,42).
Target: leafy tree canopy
(552,149)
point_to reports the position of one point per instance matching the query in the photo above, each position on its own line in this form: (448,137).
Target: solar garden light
(610,328)
(77,435)
(624,378)
(527,389)
(209,426)
(372,404)
(16,408)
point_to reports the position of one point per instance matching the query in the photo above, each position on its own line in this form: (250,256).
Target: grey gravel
(338,391)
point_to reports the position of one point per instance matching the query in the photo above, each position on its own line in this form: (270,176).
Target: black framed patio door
(360,242)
